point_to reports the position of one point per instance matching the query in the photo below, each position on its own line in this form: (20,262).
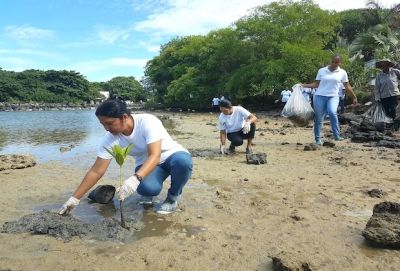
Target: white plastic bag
(376,114)
(297,109)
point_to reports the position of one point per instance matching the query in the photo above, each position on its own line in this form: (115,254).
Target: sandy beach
(308,206)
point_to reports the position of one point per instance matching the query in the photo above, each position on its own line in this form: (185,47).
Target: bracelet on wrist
(138,177)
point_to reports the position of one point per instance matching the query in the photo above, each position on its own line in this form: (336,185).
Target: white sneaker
(146,200)
(167,207)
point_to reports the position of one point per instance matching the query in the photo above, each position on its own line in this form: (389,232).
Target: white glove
(276,101)
(223,150)
(128,187)
(246,127)
(69,205)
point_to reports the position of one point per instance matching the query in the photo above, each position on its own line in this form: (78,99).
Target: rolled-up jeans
(178,165)
(322,104)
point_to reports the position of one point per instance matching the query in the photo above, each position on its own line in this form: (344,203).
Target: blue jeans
(341,103)
(322,104)
(179,165)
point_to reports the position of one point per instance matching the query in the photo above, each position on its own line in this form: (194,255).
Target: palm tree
(383,38)
(380,41)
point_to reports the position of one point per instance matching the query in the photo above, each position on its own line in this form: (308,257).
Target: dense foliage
(63,87)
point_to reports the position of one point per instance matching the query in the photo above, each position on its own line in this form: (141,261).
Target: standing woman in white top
(326,98)
(156,154)
(215,103)
(285,95)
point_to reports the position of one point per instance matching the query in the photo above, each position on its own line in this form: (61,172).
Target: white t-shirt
(148,129)
(285,95)
(235,122)
(330,81)
(215,101)
(306,94)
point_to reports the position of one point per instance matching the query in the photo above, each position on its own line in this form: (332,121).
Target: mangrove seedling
(119,154)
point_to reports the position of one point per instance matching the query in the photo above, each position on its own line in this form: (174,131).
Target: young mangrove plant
(119,154)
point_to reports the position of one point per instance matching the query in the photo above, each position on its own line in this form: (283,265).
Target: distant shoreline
(13,107)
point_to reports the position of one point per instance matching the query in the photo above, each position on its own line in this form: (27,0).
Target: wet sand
(233,216)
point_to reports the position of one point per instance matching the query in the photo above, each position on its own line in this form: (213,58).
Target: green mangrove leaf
(119,158)
(110,152)
(127,150)
(117,149)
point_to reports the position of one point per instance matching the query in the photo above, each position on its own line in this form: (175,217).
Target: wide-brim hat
(378,64)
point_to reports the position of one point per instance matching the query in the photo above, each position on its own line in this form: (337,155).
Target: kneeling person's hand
(127,188)
(69,206)
(223,150)
(246,127)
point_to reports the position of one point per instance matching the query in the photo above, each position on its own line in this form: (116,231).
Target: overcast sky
(103,39)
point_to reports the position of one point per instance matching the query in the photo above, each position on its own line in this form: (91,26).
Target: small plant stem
(123,225)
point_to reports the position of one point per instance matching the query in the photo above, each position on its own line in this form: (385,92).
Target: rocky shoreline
(10,107)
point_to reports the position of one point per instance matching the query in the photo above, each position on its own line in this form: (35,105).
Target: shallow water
(43,133)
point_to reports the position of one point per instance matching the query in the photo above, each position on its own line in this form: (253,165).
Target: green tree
(42,86)
(175,57)
(9,87)
(286,41)
(276,45)
(353,22)
(382,34)
(125,87)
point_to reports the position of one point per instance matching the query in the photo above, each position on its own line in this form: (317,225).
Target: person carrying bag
(386,89)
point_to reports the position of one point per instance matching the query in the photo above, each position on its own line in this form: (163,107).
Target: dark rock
(383,228)
(376,193)
(292,261)
(311,147)
(102,194)
(389,144)
(256,158)
(361,137)
(64,149)
(17,161)
(346,119)
(328,144)
(367,126)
